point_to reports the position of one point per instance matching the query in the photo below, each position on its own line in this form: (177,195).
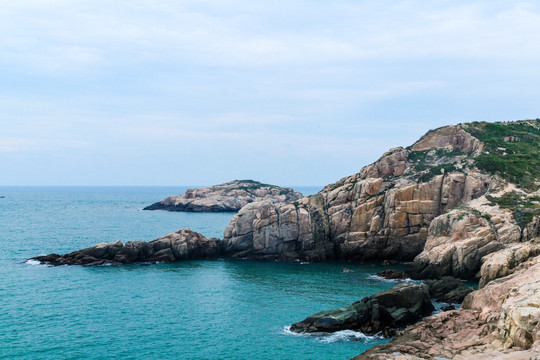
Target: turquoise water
(221,309)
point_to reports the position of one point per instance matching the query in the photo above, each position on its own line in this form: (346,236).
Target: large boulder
(457,242)
(383,312)
(504,262)
(181,245)
(230,196)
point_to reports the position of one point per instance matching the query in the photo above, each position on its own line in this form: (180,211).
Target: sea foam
(338,336)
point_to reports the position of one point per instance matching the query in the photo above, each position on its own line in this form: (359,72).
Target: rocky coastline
(227,197)
(462,202)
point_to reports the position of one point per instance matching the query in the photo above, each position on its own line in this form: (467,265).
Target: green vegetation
(523,208)
(251,185)
(512,150)
(487,217)
(434,161)
(437,170)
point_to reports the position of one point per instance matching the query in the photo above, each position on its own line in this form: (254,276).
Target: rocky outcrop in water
(231,196)
(181,245)
(383,312)
(500,321)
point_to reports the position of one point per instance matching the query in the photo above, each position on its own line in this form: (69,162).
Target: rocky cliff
(230,196)
(413,201)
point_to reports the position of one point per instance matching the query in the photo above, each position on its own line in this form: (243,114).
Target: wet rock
(448,289)
(449,307)
(392,275)
(181,245)
(383,312)
(499,321)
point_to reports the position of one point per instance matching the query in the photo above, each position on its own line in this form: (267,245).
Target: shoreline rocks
(227,197)
(383,312)
(183,244)
(499,321)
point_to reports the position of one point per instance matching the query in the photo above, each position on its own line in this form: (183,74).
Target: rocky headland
(461,202)
(230,196)
(181,245)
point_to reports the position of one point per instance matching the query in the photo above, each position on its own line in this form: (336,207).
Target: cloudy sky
(295,92)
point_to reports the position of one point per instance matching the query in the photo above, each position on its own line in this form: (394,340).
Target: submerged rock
(383,312)
(181,245)
(231,196)
(393,275)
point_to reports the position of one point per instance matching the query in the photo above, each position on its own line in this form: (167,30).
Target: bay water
(207,309)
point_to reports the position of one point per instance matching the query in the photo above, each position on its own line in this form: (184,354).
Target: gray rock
(448,289)
(231,196)
(181,245)
(383,312)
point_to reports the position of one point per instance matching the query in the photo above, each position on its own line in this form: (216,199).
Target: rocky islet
(227,197)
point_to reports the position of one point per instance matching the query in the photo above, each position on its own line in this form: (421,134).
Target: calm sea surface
(221,309)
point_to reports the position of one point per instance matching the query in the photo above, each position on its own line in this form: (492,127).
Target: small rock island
(227,197)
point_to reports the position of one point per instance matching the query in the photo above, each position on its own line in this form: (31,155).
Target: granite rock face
(456,244)
(505,262)
(181,245)
(231,196)
(383,212)
(383,312)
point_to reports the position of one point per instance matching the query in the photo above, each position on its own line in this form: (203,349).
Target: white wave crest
(32,262)
(380,278)
(338,336)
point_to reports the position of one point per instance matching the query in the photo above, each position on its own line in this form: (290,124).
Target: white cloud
(36,144)
(80,34)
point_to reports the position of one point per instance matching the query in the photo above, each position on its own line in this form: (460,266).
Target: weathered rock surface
(231,196)
(500,321)
(383,212)
(504,262)
(403,206)
(448,289)
(457,242)
(181,245)
(383,312)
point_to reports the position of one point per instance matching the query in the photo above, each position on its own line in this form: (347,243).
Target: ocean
(207,309)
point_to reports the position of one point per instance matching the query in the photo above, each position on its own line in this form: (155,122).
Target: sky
(295,92)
